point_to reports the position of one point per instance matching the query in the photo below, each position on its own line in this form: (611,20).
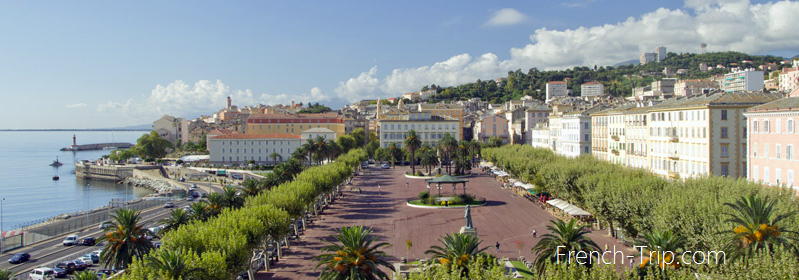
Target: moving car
(87,260)
(71,240)
(69,267)
(385,166)
(87,241)
(80,265)
(19,258)
(236,176)
(41,273)
(95,258)
(59,273)
(106,272)
(169,205)
(105,224)
(189,198)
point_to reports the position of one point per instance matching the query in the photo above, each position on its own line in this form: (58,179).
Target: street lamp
(88,187)
(2,237)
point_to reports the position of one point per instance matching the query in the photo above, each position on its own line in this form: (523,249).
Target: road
(48,252)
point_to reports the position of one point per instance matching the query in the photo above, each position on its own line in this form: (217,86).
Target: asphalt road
(48,252)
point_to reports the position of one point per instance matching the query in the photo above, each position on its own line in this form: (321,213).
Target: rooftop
(258,136)
(784,104)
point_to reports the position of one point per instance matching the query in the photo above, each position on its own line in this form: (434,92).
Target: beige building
(592,89)
(430,128)
(789,80)
(693,87)
(175,130)
(453,111)
(491,126)
(556,89)
(773,138)
(295,123)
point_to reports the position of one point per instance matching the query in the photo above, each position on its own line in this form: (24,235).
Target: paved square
(506,218)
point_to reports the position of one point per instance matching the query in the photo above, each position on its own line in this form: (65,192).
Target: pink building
(773,138)
(491,126)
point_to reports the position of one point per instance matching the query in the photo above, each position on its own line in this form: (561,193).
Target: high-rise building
(592,89)
(742,80)
(661,53)
(556,89)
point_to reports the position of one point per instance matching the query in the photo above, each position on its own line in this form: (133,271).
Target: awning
(514,181)
(568,207)
(486,164)
(528,186)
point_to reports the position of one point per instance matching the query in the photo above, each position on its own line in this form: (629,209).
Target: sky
(103,64)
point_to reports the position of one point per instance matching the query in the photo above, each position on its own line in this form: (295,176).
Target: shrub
(424,195)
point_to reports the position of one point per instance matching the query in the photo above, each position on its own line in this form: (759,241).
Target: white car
(105,224)
(41,274)
(87,260)
(71,240)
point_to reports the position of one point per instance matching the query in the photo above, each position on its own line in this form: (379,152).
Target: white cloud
(505,17)
(76,105)
(723,25)
(577,4)
(204,97)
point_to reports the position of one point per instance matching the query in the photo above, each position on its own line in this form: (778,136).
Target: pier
(98,146)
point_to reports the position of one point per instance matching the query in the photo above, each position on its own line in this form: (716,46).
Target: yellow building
(294,123)
(454,111)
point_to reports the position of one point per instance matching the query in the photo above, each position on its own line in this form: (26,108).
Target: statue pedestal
(468,230)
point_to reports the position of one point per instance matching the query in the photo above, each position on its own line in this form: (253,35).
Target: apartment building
(539,136)
(451,110)
(789,80)
(491,126)
(742,80)
(693,87)
(772,142)
(175,130)
(430,128)
(575,132)
(592,89)
(556,89)
(240,148)
(534,116)
(295,123)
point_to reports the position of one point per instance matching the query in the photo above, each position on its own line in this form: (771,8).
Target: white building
(539,136)
(175,130)
(575,132)
(661,53)
(239,148)
(789,80)
(313,133)
(556,89)
(592,89)
(742,80)
(430,128)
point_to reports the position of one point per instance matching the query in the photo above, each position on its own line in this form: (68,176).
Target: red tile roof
(258,136)
(592,83)
(556,82)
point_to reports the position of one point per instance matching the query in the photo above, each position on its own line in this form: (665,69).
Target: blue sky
(91,64)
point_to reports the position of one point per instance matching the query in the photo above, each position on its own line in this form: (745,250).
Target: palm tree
(457,251)
(447,146)
(6,274)
(412,143)
(275,156)
(756,227)
(563,237)
(659,242)
(392,152)
(321,149)
(216,202)
(232,199)
(171,264)
(177,218)
(199,211)
(310,148)
(354,256)
(85,275)
(251,187)
(124,239)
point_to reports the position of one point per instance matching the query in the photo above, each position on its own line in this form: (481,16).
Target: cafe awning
(486,164)
(568,207)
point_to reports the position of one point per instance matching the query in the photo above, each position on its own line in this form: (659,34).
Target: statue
(468,216)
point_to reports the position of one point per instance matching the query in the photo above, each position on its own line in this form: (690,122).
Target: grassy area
(522,270)
(419,202)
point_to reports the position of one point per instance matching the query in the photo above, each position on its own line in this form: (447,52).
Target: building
(592,89)
(451,110)
(648,57)
(773,140)
(742,80)
(663,87)
(240,148)
(575,132)
(539,136)
(533,117)
(789,80)
(692,87)
(295,123)
(175,130)
(556,89)
(430,128)
(661,53)
(491,126)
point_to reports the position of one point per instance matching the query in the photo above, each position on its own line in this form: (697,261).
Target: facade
(661,53)
(575,132)
(539,136)
(773,140)
(430,128)
(314,133)
(453,111)
(295,123)
(533,117)
(556,89)
(789,80)
(175,130)
(592,89)
(693,87)
(742,80)
(491,126)
(647,58)
(240,148)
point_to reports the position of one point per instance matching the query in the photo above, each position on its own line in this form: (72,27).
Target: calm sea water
(26,177)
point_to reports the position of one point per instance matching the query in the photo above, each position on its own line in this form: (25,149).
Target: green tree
(372,147)
(354,256)
(563,237)
(346,142)
(412,143)
(359,135)
(494,142)
(456,251)
(757,226)
(172,265)
(657,243)
(251,187)
(6,274)
(447,147)
(151,146)
(176,218)
(85,275)
(124,239)
(199,211)
(231,198)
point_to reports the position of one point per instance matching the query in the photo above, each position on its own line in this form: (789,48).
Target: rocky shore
(158,186)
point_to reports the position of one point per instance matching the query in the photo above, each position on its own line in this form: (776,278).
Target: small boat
(55,178)
(56,163)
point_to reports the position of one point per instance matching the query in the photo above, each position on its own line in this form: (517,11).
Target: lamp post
(2,237)
(88,187)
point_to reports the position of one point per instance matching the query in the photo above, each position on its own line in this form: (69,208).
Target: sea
(26,177)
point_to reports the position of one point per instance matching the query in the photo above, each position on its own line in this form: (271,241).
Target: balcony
(674,175)
(614,152)
(614,137)
(674,138)
(674,156)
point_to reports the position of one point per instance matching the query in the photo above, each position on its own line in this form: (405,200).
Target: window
(723,115)
(765,151)
(725,150)
(725,169)
(766,174)
(778,175)
(724,132)
(754,151)
(766,128)
(754,173)
(789,152)
(779,151)
(789,126)
(789,182)
(754,126)
(778,128)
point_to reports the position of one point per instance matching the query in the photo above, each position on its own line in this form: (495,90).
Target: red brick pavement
(506,218)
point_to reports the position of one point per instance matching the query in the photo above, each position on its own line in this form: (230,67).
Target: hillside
(618,81)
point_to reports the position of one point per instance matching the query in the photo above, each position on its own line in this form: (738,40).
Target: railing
(674,138)
(615,152)
(674,156)
(614,137)
(674,175)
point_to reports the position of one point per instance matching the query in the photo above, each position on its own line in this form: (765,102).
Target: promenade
(507,218)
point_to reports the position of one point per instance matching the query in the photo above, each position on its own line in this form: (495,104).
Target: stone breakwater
(158,186)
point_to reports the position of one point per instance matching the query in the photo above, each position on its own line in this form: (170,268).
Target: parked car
(195,194)
(71,240)
(19,258)
(87,260)
(371,161)
(80,265)
(95,258)
(87,241)
(169,205)
(236,176)
(385,166)
(41,274)
(105,224)
(189,198)
(204,195)
(59,273)
(106,272)
(69,267)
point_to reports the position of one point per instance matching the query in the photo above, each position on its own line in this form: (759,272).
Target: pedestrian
(534,234)
(497,246)
(379,192)
(631,262)
(606,247)
(407,184)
